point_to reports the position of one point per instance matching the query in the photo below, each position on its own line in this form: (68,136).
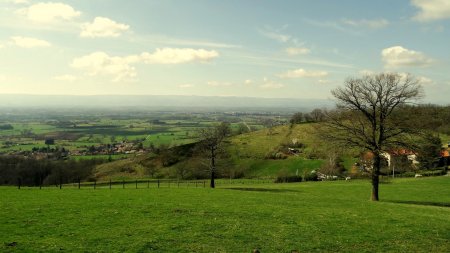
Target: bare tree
(210,141)
(364,115)
(317,115)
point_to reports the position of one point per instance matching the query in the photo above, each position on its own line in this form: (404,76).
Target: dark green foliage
(297,118)
(6,127)
(429,151)
(33,172)
(310,176)
(288,179)
(50,142)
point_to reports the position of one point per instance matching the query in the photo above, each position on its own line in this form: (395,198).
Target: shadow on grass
(260,189)
(421,203)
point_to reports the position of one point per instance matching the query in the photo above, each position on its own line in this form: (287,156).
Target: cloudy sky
(299,49)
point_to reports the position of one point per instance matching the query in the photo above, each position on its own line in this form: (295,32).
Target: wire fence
(149,183)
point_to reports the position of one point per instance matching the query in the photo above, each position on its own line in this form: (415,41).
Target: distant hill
(159,101)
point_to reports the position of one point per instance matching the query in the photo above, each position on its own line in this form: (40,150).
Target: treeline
(421,117)
(316,115)
(6,127)
(427,117)
(35,172)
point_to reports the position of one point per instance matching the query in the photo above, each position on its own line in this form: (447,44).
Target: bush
(408,174)
(276,156)
(430,173)
(311,176)
(288,179)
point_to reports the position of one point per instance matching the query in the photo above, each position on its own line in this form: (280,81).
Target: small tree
(211,140)
(296,118)
(364,116)
(317,115)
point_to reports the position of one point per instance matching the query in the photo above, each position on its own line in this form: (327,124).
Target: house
(410,155)
(445,153)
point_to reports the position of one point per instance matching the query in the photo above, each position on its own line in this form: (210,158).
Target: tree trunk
(212,184)
(376,176)
(213,168)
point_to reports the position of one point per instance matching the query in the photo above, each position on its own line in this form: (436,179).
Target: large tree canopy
(364,115)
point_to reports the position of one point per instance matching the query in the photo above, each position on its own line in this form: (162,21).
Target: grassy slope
(320,216)
(247,153)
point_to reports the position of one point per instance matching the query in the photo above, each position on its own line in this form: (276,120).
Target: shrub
(311,176)
(408,174)
(288,179)
(275,156)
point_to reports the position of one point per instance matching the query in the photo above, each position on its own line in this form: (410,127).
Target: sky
(279,49)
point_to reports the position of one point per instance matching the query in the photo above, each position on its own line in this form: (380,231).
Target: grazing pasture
(412,216)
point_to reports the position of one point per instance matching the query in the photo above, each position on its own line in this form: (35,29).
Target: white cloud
(49,12)
(103,27)
(337,25)
(122,69)
(425,80)
(297,50)
(369,23)
(248,81)
(298,73)
(27,42)
(431,10)
(100,63)
(66,78)
(1,46)
(179,55)
(276,36)
(398,56)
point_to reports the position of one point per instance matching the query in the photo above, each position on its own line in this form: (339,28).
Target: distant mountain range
(160,101)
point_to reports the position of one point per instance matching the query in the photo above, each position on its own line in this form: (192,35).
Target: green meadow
(412,216)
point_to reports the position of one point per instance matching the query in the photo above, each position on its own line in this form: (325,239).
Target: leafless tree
(317,115)
(364,115)
(211,140)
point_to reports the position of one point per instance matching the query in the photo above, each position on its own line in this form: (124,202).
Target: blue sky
(299,49)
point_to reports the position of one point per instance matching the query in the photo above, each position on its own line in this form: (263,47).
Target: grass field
(413,216)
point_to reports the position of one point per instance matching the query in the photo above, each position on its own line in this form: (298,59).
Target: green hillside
(263,154)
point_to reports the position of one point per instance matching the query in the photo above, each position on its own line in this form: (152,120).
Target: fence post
(158,183)
(110,183)
(19,181)
(148,183)
(79,183)
(60,182)
(95,184)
